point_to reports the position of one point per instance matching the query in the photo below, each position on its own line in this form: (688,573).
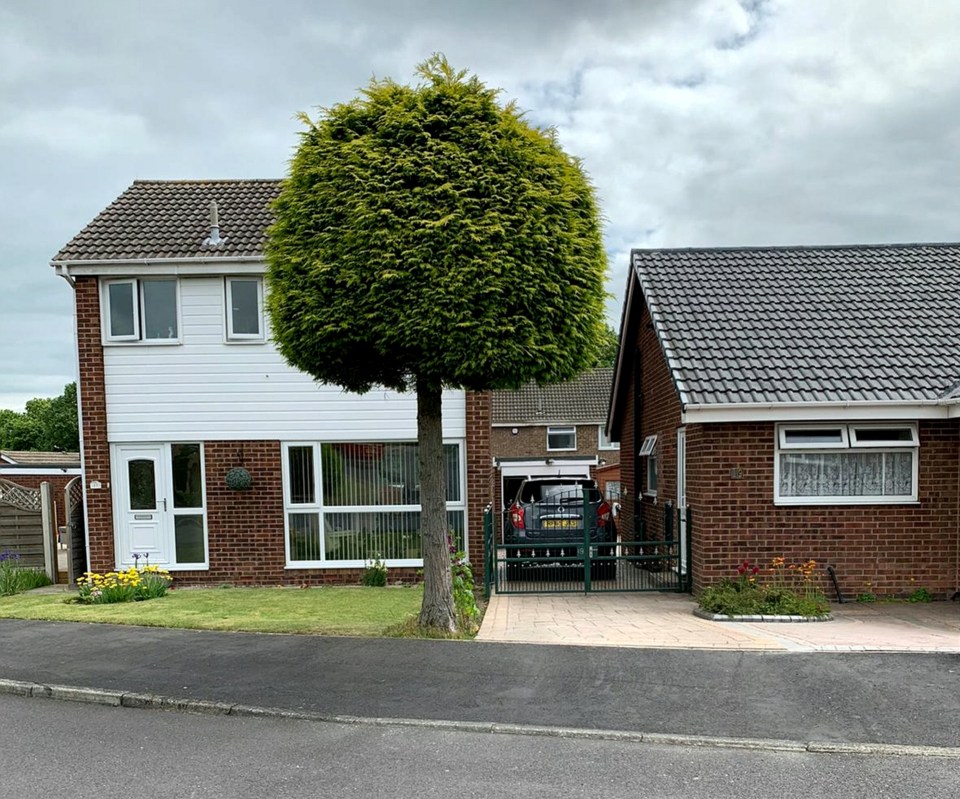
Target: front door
(143,504)
(682,495)
(160,505)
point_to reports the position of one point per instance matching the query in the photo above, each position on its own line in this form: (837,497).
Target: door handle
(164,500)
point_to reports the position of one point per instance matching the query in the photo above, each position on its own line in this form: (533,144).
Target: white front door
(160,505)
(682,496)
(142,512)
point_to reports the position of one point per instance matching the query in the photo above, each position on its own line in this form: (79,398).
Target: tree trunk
(437,610)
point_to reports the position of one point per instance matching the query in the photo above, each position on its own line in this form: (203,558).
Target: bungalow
(802,402)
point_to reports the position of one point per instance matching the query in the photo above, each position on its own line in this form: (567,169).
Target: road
(55,749)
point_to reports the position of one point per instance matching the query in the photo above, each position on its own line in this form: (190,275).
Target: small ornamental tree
(428,237)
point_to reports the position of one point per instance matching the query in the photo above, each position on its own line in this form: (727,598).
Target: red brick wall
(93,418)
(531,442)
(660,416)
(889,550)
(480,475)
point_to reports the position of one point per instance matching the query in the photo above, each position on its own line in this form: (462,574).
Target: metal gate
(591,566)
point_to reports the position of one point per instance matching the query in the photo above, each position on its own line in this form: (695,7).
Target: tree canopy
(46,424)
(429,230)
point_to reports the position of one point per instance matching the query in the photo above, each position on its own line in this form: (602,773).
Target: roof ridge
(192,181)
(635,251)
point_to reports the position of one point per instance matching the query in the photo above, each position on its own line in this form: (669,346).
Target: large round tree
(428,237)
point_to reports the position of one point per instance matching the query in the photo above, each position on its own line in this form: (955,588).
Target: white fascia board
(814,411)
(40,471)
(239,265)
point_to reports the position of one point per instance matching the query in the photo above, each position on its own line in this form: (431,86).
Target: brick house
(804,402)
(555,429)
(179,385)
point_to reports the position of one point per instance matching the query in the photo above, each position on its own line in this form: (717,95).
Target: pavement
(770,696)
(666,620)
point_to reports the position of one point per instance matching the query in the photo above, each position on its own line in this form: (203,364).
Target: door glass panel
(141,477)
(159,309)
(187,476)
(188,539)
(120,299)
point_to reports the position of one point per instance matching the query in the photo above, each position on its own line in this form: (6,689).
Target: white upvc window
(648,450)
(244,309)
(349,502)
(141,309)
(603,441)
(561,438)
(842,464)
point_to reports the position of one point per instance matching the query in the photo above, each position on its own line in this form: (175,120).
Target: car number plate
(560,524)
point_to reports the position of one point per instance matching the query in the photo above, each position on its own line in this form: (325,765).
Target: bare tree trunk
(437,610)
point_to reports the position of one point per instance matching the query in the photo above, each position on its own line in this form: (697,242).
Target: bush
(15,578)
(464,598)
(133,585)
(374,573)
(781,590)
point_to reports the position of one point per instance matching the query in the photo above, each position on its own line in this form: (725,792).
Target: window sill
(244,341)
(160,342)
(813,501)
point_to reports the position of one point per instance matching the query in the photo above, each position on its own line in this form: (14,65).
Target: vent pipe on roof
(214,240)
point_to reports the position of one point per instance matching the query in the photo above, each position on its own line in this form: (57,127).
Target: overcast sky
(701,123)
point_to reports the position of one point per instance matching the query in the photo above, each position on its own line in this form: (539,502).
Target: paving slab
(666,621)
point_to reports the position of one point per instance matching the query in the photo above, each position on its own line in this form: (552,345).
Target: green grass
(313,611)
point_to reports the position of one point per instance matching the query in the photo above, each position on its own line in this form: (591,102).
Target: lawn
(314,611)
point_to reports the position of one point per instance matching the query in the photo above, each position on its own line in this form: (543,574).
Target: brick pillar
(93,418)
(479,474)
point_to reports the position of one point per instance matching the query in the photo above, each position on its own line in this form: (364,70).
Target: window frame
(852,445)
(648,450)
(321,509)
(564,430)
(230,336)
(648,445)
(602,436)
(139,315)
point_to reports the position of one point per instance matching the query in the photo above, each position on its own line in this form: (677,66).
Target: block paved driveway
(666,620)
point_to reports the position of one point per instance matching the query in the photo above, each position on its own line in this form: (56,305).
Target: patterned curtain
(846,474)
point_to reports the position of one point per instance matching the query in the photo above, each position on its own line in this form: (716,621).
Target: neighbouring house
(202,448)
(803,402)
(554,430)
(29,469)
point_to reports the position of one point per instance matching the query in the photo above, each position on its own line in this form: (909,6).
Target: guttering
(63,270)
(820,411)
(173,266)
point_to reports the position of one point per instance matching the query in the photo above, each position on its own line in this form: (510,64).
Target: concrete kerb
(129,699)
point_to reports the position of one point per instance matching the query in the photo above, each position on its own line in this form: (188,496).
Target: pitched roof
(155,219)
(582,400)
(67,460)
(807,324)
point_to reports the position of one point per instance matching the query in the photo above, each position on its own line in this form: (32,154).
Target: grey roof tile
(583,400)
(156,219)
(806,324)
(33,458)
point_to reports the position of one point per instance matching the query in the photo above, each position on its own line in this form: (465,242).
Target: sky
(713,123)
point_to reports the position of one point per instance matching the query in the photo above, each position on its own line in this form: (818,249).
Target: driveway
(666,621)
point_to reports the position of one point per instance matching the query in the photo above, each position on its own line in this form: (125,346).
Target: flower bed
(136,584)
(781,592)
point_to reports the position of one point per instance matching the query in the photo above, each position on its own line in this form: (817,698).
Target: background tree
(609,346)
(428,237)
(45,425)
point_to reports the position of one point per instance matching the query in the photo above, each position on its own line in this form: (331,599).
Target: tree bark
(437,610)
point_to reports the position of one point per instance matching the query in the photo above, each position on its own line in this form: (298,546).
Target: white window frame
(321,509)
(647,447)
(603,442)
(137,339)
(242,338)
(851,444)
(648,450)
(566,430)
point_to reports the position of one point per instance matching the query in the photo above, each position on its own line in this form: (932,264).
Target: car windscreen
(557,492)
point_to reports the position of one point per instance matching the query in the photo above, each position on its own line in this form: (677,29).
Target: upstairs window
(846,464)
(604,441)
(561,438)
(648,450)
(244,297)
(141,310)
